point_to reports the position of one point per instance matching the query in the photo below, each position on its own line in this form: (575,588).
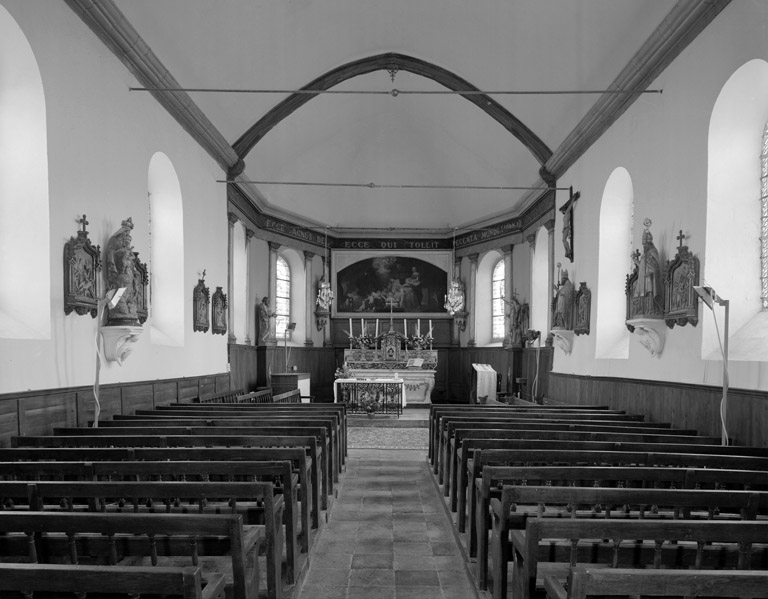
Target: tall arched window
(736,212)
(541,293)
(166,266)
(283,299)
(24,211)
(498,283)
(616,212)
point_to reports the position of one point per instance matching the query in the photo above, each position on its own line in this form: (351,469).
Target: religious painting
(82,266)
(219,316)
(384,283)
(201,302)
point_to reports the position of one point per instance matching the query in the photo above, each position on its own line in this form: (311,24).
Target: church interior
(360,212)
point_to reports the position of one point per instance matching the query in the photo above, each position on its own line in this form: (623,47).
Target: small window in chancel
(283,297)
(498,281)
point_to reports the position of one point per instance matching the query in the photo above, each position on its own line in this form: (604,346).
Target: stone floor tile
(418,593)
(332,560)
(362,561)
(324,592)
(328,577)
(412,578)
(413,549)
(369,593)
(376,577)
(449,548)
(414,562)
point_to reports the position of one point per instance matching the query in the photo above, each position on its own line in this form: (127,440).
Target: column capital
(273,246)
(550,225)
(531,239)
(249,233)
(308,255)
(233,218)
(507,249)
(473,258)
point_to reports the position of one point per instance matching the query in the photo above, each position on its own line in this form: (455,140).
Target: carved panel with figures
(582,309)
(680,299)
(82,267)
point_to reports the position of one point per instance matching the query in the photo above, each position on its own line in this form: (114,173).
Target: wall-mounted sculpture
(126,294)
(140,284)
(201,306)
(562,303)
(514,337)
(582,309)
(681,304)
(645,295)
(82,270)
(219,317)
(567,212)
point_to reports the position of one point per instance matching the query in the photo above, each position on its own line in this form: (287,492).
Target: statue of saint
(562,317)
(120,267)
(515,336)
(265,313)
(648,293)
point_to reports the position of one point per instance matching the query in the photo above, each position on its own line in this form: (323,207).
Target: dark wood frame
(82,274)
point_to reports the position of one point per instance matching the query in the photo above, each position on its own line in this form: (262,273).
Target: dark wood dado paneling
(39,412)
(685,406)
(242,366)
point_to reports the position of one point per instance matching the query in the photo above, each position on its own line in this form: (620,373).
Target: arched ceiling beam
(530,140)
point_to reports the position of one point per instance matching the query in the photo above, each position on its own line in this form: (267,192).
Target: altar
(415,366)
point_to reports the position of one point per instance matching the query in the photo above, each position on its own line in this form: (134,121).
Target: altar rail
(378,396)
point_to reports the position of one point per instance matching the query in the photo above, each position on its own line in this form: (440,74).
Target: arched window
(166,263)
(24,211)
(736,214)
(283,299)
(541,293)
(498,283)
(616,210)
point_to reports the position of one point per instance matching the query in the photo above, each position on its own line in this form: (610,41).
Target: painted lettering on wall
(486,233)
(390,244)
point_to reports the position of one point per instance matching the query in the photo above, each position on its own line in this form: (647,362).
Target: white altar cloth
(486,381)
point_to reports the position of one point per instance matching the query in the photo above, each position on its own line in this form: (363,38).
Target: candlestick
(377,327)
(362,326)
(418,326)
(405,327)
(430,327)
(350,327)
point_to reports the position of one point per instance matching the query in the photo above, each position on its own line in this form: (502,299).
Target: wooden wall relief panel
(681,302)
(9,421)
(82,274)
(582,309)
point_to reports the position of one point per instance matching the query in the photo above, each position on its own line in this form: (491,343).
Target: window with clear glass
(283,298)
(497,301)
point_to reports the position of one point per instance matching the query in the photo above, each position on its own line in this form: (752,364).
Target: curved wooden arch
(255,133)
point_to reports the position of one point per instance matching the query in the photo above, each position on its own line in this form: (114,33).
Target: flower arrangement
(419,341)
(343,372)
(363,341)
(368,402)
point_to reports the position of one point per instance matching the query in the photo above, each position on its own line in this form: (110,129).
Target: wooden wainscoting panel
(138,397)
(221,382)
(9,421)
(188,389)
(242,364)
(110,402)
(165,392)
(684,405)
(206,385)
(40,414)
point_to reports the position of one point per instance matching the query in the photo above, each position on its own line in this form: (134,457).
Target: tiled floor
(388,536)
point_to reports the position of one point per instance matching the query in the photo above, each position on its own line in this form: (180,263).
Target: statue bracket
(321,318)
(563,339)
(651,333)
(460,319)
(119,341)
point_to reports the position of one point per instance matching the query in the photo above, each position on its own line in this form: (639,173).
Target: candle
(430,327)
(350,327)
(362,326)
(377,327)
(418,326)
(405,327)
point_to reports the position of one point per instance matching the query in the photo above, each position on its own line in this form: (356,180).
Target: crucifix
(391,302)
(680,238)
(83,222)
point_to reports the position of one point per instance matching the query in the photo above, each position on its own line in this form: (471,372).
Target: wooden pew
(309,491)
(478,508)
(221,547)
(290,438)
(261,396)
(292,396)
(249,499)
(120,580)
(586,581)
(594,506)
(229,396)
(229,471)
(329,437)
(336,426)
(464,442)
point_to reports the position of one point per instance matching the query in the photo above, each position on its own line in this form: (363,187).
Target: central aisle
(388,536)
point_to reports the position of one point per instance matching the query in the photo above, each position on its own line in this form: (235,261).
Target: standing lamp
(710,298)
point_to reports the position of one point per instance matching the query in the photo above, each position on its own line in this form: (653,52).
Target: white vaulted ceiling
(441,140)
